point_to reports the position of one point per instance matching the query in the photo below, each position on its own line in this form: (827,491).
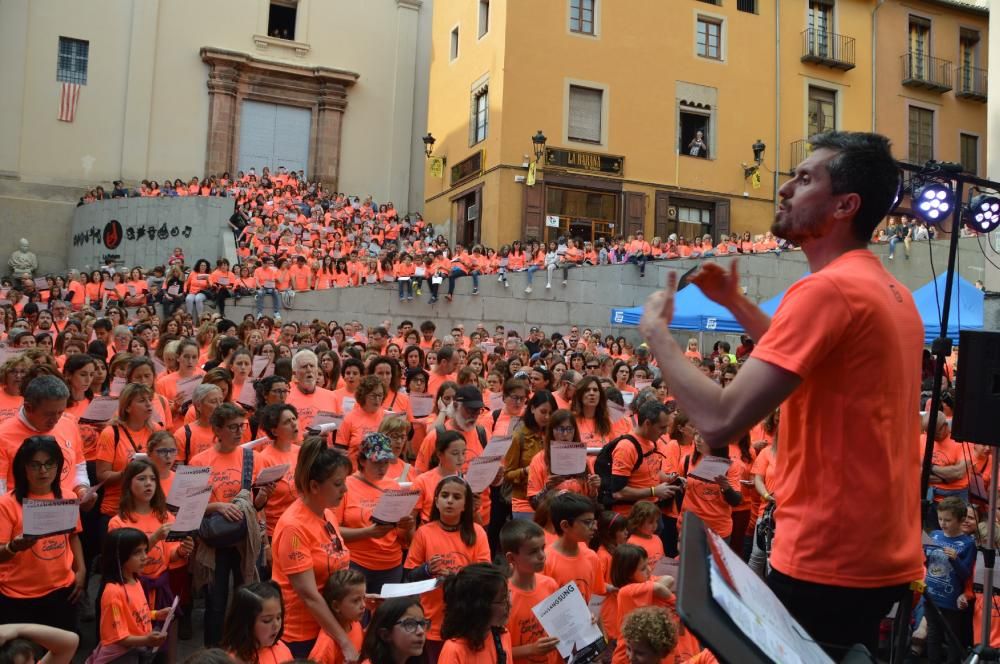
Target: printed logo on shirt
(529,630)
(50,548)
(227,482)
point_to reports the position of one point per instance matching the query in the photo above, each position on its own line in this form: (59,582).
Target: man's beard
(460,421)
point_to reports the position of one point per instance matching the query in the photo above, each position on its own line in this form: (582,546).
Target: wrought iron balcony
(800,150)
(828,48)
(923,71)
(971,83)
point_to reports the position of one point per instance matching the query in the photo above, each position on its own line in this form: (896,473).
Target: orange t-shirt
(705,499)
(427,483)
(12,435)
(538,477)
(523,626)
(158,556)
(118,455)
(647,475)
(309,404)
(458,651)
(9,405)
(433,540)
(355,511)
(276,654)
(435,379)
(284,489)
(197,282)
(45,567)
(584,568)
(202,438)
(357,424)
(651,545)
(609,607)
(822,332)
(304,542)
(227,471)
(947,452)
(124,612)
(327,651)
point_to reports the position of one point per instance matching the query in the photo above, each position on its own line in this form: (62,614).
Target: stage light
(933,202)
(984,213)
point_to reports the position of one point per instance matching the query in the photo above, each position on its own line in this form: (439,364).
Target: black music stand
(703,615)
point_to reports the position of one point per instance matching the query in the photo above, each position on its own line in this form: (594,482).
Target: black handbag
(219,532)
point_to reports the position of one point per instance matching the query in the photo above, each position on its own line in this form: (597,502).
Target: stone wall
(148,230)
(41,213)
(590,294)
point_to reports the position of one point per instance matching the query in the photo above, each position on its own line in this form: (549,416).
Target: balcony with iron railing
(828,49)
(800,150)
(971,83)
(924,71)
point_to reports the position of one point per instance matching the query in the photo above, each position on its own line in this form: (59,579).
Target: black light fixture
(933,201)
(429,141)
(984,213)
(758,151)
(538,142)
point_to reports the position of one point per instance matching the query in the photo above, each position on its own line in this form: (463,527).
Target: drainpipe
(777,101)
(878,6)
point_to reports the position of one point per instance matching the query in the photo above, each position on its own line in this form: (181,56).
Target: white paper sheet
(169,619)
(186,387)
(393,505)
(643,383)
(710,467)
(421,404)
(259,366)
(347,405)
(390,590)
(271,474)
(627,398)
(117,385)
(616,412)
(101,409)
(324,421)
(247,395)
(49,517)
(568,458)
(498,446)
(496,401)
(191,510)
(482,471)
(255,443)
(186,480)
(564,615)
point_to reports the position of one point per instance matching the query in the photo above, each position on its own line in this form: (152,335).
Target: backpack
(603,463)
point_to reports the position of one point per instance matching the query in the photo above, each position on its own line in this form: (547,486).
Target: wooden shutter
(721,220)
(585,106)
(661,218)
(534,212)
(635,212)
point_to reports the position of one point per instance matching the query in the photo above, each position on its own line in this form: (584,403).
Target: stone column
(223,82)
(330,118)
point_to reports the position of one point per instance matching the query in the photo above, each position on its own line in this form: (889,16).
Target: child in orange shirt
(126,623)
(344,593)
(477,605)
(650,635)
(643,522)
(252,633)
(611,533)
(523,545)
(569,559)
(713,500)
(636,587)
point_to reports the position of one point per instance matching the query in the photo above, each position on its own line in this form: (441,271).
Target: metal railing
(828,48)
(972,83)
(923,71)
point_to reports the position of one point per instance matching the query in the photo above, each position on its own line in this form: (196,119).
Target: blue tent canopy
(965,311)
(692,311)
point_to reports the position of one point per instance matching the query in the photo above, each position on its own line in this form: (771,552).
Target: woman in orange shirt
(93,289)
(137,288)
(590,408)
(12,373)
(477,604)
(125,437)
(79,374)
(280,423)
(37,586)
(376,548)
(404,271)
(365,417)
(196,288)
(223,282)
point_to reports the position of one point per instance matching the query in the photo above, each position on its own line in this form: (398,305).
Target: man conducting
(847,539)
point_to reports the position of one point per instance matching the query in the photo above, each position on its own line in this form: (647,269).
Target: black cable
(937,299)
(979,239)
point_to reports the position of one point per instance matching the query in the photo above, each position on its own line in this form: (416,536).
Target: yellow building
(621,89)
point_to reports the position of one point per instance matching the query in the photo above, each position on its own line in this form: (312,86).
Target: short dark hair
(650,411)
(515,533)
(863,165)
(569,507)
(225,412)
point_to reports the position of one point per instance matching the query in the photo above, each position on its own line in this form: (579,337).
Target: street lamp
(538,142)
(429,141)
(758,151)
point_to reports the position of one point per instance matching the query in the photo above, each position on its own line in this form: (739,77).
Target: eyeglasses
(236,427)
(516,398)
(280,393)
(411,625)
(563,430)
(593,366)
(166,451)
(589,523)
(39,466)
(338,546)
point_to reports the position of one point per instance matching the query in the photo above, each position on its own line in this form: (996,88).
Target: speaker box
(977,391)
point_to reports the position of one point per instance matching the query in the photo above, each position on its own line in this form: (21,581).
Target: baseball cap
(376,447)
(469,396)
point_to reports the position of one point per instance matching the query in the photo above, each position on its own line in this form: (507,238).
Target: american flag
(69,97)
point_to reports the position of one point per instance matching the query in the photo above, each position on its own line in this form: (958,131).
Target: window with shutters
(822,110)
(748,6)
(969,146)
(693,222)
(72,60)
(708,42)
(586,108)
(921,134)
(581,16)
(479,121)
